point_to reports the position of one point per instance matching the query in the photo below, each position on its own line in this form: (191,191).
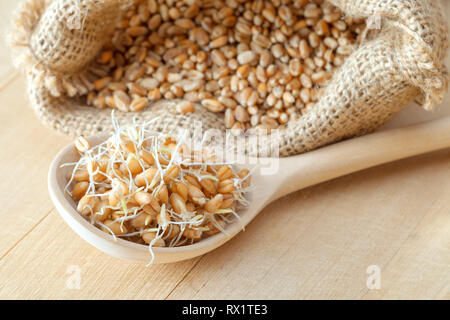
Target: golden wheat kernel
(320,77)
(268,122)
(86,204)
(219,42)
(171,232)
(185,23)
(143,198)
(274,113)
(212,86)
(149,83)
(243,27)
(329,56)
(82,145)
(322,28)
(245,92)
(218,58)
(269,14)
(114,86)
(226,186)
(218,30)
(191,11)
(285,13)
(115,226)
(185,107)
(154,206)
(121,100)
(241,114)
(283,118)
(182,189)
(330,42)
(149,237)
(319,62)
(224,172)
(200,36)
(80,189)
(229,118)
(214,204)
(119,187)
(137,31)
(288,99)
(299,25)
(174,13)
(244,174)
(154,94)
(293,85)
(163,194)
(99,102)
(177,91)
(138,104)
(295,67)
(306,81)
(344,50)
(212,228)
(246,57)
(135,20)
(271,100)
(133,164)
(225,12)
(227,202)
(208,186)
(253,98)
(202,95)
(265,58)
(305,95)
(243,71)
(178,203)
(101,83)
(227,102)
(213,105)
(195,193)
(202,67)
(192,233)
(262,90)
(171,173)
(340,25)
(151,175)
(101,210)
(80,175)
(105,57)
(262,41)
(142,220)
(332,17)
(128,146)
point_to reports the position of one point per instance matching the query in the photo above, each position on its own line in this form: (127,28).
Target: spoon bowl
(294,173)
(124,249)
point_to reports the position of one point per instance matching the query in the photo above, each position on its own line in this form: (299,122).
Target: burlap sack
(397,64)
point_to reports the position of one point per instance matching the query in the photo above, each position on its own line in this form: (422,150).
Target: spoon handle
(356,154)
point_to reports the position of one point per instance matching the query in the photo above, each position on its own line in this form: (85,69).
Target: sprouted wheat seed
(149,188)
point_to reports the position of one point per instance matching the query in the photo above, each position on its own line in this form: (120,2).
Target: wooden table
(327,241)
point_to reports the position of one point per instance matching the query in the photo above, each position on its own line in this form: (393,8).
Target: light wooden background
(315,243)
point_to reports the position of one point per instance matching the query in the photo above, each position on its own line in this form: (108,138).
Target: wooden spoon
(294,173)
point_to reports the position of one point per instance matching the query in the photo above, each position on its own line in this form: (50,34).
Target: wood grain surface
(315,243)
